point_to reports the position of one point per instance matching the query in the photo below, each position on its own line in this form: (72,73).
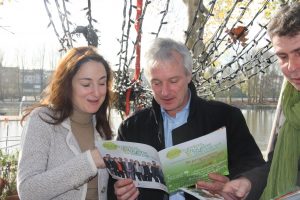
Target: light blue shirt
(171,123)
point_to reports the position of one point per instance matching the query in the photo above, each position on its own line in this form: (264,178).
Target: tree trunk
(194,39)
(2,185)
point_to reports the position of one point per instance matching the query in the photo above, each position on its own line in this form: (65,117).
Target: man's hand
(240,187)
(126,190)
(231,190)
(216,185)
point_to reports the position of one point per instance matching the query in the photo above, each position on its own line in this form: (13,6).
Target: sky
(24,31)
(25,37)
(24,34)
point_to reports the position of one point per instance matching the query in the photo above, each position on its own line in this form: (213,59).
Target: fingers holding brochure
(216,183)
(125,189)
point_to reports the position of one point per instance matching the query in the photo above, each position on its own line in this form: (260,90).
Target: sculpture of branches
(234,52)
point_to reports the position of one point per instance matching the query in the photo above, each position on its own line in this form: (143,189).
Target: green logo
(110,145)
(173,153)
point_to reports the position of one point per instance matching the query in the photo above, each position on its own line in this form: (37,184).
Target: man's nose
(294,64)
(165,89)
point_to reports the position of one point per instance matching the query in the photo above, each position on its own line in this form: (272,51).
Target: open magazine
(202,194)
(169,169)
(292,195)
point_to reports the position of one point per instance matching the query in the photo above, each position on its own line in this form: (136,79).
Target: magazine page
(293,195)
(137,161)
(202,194)
(185,163)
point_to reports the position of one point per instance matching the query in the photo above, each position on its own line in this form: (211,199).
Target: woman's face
(89,87)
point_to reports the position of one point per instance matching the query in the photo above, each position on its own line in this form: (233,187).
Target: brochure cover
(293,195)
(169,169)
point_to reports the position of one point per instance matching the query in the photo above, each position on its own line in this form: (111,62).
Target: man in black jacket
(178,115)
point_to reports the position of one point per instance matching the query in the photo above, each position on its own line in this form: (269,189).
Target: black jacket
(146,126)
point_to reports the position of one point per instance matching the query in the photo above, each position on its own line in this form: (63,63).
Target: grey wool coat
(51,164)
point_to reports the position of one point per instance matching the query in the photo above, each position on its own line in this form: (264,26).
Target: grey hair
(162,49)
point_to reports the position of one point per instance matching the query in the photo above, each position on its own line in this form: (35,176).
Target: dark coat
(146,126)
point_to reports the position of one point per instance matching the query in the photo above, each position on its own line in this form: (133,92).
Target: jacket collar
(158,116)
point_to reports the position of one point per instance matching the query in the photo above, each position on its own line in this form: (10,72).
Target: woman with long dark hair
(58,157)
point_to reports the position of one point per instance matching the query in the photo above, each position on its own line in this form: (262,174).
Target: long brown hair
(57,95)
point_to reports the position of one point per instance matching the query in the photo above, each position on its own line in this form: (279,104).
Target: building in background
(16,83)
(9,82)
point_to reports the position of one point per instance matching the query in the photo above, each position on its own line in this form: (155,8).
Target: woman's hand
(126,190)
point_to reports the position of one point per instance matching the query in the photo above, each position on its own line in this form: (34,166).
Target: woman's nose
(96,91)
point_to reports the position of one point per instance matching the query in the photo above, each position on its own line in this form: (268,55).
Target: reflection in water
(260,122)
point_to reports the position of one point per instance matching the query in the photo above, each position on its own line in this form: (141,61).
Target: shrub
(8,174)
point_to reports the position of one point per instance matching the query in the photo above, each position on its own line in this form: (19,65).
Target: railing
(10,133)
(11,130)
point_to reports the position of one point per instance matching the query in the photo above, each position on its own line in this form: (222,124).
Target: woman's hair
(286,22)
(57,96)
(162,49)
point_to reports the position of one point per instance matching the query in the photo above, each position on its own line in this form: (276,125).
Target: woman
(58,158)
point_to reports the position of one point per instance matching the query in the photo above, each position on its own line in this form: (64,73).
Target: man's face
(169,82)
(288,51)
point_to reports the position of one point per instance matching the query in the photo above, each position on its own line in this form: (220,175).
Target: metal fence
(10,133)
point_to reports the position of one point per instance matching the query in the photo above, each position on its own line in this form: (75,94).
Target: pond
(259,121)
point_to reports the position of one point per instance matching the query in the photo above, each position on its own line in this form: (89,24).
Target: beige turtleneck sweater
(83,130)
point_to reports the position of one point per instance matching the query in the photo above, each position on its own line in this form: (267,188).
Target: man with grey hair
(178,115)
(281,173)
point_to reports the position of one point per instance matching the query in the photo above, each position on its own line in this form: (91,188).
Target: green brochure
(169,169)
